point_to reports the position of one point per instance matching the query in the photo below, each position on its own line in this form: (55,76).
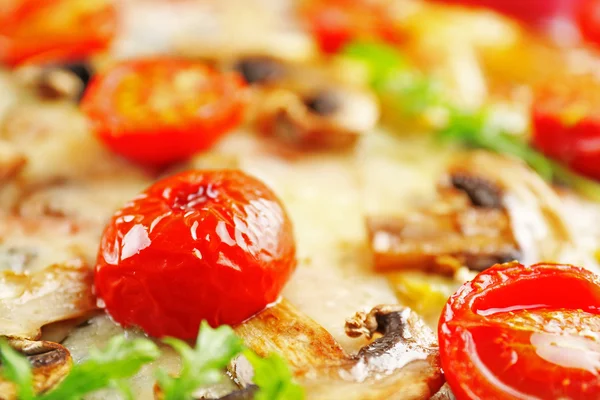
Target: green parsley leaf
(273,378)
(119,360)
(16,368)
(399,84)
(583,185)
(203,365)
(381,60)
(476,130)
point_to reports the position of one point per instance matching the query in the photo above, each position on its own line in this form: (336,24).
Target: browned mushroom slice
(260,69)
(50,363)
(481,191)
(30,301)
(309,348)
(536,213)
(441,242)
(51,82)
(402,363)
(329,118)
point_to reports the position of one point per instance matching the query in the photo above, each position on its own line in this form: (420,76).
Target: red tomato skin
(588,19)
(157,142)
(530,11)
(577,144)
(476,349)
(201,245)
(335,23)
(49,46)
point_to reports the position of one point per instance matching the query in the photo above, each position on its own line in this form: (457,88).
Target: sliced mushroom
(258,70)
(84,71)
(481,192)
(50,363)
(535,211)
(442,242)
(54,82)
(30,301)
(401,364)
(473,222)
(317,119)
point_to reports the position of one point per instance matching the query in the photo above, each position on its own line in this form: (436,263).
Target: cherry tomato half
(517,332)
(531,11)
(54,30)
(200,245)
(566,127)
(157,111)
(337,22)
(588,18)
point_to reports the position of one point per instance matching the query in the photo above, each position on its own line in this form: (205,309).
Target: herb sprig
(121,359)
(411,94)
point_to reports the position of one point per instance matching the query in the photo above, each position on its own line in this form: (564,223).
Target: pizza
(311,199)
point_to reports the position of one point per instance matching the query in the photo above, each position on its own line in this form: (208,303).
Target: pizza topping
(328,119)
(120,359)
(442,242)
(31,301)
(260,69)
(159,111)
(406,91)
(523,332)
(536,213)
(197,234)
(404,360)
(46,369)
(481,192)
(530,11)
(588,18)
(61,30)
(84,71)
(566,128)
(45,365)
(51,82)
(324,103)
(334,23)
(214,351)
(56,81)
(423,292)
(467,226)
(403,332)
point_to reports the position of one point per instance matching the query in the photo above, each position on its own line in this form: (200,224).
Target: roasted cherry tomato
(54,30)
(157,111)
(517,332)
(200,245)
(337,22)
(566,127)
(525,10)
(588,18)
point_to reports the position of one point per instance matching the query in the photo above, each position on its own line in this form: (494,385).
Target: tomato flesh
(588,19)
(531,11)
(158,111)
(567,128)
(335,23)
(523,332)
(201,245)
(55,30)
